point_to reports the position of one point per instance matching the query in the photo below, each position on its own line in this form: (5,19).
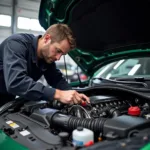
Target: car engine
(109,117)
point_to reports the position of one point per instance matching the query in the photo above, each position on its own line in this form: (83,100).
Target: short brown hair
(61,32)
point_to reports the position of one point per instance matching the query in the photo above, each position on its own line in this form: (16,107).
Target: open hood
(105,30)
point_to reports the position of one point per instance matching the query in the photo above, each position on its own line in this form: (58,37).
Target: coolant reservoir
(82,136)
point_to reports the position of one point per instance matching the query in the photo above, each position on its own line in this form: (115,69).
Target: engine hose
(94,124)
(71,123)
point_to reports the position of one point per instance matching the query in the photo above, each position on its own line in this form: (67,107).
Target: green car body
(7,143)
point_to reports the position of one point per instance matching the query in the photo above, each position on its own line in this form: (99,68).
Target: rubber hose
(71,123)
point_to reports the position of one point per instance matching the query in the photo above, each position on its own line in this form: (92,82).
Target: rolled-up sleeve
(55,78)
(16,76)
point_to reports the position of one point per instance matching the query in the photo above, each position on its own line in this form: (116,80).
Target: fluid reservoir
(82,136)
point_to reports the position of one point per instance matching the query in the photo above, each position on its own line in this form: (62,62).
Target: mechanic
(24,58)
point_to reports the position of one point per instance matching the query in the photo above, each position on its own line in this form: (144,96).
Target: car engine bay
(51,125)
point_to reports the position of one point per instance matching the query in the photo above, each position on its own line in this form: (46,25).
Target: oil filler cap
(134,111)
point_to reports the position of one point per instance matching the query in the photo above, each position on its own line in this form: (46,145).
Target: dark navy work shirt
(20,69)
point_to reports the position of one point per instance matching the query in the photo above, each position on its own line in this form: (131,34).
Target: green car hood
(105,30)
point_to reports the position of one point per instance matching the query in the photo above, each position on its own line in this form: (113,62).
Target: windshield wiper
(137,79)
(122,82)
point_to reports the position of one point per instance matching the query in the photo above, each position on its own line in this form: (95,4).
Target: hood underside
(105,30)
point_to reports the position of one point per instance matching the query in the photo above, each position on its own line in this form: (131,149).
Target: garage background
(19,16)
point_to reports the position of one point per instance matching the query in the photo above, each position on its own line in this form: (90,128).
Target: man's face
(53,51)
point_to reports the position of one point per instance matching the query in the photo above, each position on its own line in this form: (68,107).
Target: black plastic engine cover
(40,138)
(101,98)
(122,126)
(44,115)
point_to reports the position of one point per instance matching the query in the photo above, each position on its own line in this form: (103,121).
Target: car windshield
(125,68)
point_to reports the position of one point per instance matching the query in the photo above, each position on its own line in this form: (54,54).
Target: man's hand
(70,97)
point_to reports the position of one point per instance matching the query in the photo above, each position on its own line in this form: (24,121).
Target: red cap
(83,103)
(89,143)
(134,111)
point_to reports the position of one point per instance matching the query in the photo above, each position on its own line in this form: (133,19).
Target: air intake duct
(71,123)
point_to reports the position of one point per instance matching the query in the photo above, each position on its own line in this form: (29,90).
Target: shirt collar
(34,46)
(40,63)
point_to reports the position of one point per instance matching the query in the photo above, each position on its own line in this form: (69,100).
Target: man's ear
(47,38)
